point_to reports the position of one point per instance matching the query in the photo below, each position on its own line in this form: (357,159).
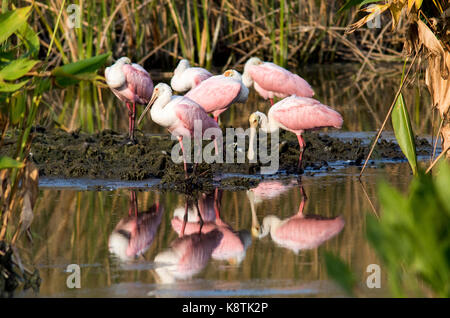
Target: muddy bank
(106,155)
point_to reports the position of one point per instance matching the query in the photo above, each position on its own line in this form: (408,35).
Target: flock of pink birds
(206,93)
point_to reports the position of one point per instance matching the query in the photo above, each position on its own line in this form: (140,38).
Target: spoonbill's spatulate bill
(132,84)
(186,77)
(271,80)
(295,114)
(178,114)
(218,93)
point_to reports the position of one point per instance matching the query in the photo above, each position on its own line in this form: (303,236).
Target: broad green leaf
(340,272)
(9,87)
(403,132)
(7,162)
(16,69)
(30,38)
(11,21)
(69,74)
(18,107)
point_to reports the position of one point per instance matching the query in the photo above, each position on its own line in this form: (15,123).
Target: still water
(102,231)
(127,237)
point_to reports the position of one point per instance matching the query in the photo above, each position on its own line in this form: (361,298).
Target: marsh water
(123,235)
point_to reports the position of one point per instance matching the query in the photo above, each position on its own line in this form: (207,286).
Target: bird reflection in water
(299,232)
(135,233)
(233,245)
(187,256)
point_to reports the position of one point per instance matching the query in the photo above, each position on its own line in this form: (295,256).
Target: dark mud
(106,155)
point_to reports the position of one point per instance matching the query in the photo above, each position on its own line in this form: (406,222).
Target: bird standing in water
(132,84)
(186,77)
(219,92)
(271,80)
(295,114)
(178,114)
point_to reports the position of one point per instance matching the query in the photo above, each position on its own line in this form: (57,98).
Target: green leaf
(340,272)
(403,132)
(72,73)
(16,69)
(30,38)
(9,87)
(7,162)
(12,20)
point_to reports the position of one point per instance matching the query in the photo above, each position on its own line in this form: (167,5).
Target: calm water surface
(77,226)
(102,225)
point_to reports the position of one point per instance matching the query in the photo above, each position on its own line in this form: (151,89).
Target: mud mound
(106,155)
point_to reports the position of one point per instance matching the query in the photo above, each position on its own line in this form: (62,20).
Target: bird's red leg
(180,140)
(133,118)
(302,204)
(200,217)
(302,145)
(216,118)
(185,219)
(130,114)
(271,101)
(216,204)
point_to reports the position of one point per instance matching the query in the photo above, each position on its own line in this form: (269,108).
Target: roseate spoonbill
(178,114)
(232,246)
(271,80)
(187,256)
(186,77)
(132,84)
(270,189)
(218,93)
(295,114)
(299,232)
(134,234)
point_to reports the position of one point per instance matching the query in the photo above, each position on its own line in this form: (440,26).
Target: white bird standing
(178,114)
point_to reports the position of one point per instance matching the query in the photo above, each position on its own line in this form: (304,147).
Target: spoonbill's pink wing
(272,77)
(309,233)
(200,75)
(195,251)
(188,113)
(230,246)
(191,227)
(301,113)
(138,81)
(215,93)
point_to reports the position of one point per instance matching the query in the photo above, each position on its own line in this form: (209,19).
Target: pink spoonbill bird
(271,80)
(232,246)
(218,93)
(295,114)
(178,114)
(186,77)
(299,232)
(135,233)
(132,84)
(187,256)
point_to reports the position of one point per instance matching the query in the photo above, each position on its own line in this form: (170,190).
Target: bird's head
(233,74)
(160,89)
(182,65)
(254,61)
(124,60)
(255,119)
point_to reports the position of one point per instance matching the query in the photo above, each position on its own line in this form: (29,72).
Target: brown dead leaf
(433,45)
(30,191)
(445,133)
(438,86)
